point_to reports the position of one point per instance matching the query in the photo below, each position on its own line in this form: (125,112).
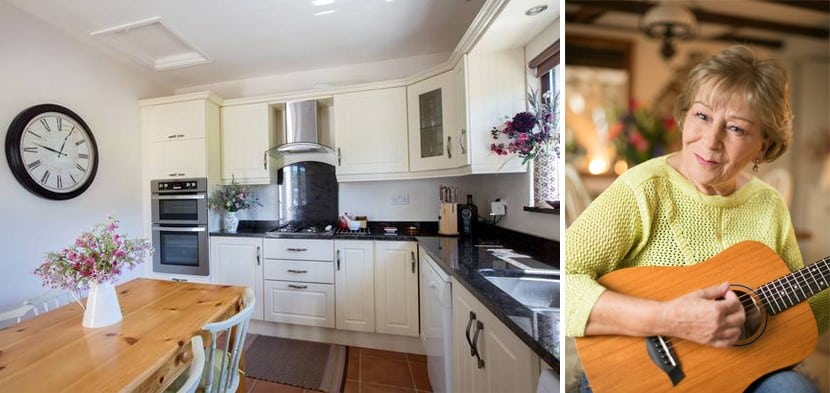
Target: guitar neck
(794,288)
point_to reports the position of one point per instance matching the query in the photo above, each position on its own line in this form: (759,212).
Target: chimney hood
(301,133)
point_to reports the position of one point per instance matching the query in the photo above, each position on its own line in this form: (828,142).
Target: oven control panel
(186,185)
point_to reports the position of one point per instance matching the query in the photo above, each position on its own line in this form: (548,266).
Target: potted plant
(232,198)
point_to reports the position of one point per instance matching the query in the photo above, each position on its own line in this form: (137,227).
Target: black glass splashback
(307,192)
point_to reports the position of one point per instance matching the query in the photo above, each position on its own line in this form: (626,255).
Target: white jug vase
(102,307)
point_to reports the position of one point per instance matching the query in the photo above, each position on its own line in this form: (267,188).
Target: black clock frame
(15,160)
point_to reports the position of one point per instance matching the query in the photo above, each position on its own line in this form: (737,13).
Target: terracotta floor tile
(383,354)
(416,358)
(271,387)
(249,384)
(385,371)
(419,374)
(353,365)
(373,388)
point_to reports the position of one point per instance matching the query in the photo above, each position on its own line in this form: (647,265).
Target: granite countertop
(373,232)
(462,258)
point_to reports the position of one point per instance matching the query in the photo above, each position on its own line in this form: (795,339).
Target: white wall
(40,66)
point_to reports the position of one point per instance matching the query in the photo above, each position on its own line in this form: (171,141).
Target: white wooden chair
(15,315)
(48,301)
(222,374)
(197,366)
(781,180)
(577,197)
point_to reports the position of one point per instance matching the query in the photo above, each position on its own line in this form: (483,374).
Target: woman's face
(719,140)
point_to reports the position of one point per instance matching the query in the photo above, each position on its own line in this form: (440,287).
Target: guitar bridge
(662,354)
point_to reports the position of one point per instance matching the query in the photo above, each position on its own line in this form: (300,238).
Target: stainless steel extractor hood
(301,133)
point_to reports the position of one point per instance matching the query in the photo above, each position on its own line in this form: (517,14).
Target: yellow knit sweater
(653,216)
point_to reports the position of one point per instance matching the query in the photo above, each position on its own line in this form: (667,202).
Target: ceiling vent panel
(153,44)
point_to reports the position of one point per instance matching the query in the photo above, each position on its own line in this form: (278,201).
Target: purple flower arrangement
(640,134)
(97,256)
(233,197)
(529,133)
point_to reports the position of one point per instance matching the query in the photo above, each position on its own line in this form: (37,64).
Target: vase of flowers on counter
(95,261)
(232,198)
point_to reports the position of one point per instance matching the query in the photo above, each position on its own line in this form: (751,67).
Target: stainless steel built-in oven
(180,234)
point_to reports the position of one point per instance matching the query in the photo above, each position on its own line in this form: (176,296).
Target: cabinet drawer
(175,121)
(302,271)
(299,303)
(299,249)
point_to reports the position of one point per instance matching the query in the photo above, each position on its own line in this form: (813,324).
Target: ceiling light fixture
(319,3)
(326,12)
(668,21)
(536,10)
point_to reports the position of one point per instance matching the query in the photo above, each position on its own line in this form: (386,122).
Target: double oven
(180,226)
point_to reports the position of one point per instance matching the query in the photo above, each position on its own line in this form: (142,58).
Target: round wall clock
(52,152)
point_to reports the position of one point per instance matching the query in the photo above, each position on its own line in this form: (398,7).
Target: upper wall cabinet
(496,87)
(370,132)
(248,131)
(433,133)
(181,135)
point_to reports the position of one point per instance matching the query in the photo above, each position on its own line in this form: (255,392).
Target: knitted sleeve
(595,244)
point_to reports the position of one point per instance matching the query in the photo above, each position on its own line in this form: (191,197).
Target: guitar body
(621,363)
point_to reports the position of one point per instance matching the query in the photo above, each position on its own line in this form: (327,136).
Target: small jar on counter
(363,220)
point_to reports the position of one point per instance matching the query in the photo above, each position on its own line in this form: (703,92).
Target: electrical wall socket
(498,208)
(400,199)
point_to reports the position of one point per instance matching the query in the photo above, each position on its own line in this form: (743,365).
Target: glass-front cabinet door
(433,132)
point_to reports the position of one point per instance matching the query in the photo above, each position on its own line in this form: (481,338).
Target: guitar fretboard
(796,287)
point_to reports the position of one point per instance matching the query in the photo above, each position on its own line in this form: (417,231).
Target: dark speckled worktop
(462,259)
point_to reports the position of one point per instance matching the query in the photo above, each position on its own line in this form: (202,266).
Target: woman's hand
(710,316)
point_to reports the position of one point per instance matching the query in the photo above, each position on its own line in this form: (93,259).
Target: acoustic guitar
(780,330)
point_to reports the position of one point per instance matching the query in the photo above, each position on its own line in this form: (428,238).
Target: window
(545,188)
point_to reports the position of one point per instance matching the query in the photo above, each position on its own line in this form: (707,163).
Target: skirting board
(343,337)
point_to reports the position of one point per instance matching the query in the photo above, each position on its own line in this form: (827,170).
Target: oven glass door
(181,250)
(179,209)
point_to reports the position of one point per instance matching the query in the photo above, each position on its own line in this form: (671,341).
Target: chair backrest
(781,180)
(16,315)
(197,366)
(48,301)
(577,197)
(221,374)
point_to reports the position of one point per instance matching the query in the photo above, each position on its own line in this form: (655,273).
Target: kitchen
(88,81)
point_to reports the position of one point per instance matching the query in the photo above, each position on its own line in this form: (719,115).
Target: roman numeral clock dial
(52,152)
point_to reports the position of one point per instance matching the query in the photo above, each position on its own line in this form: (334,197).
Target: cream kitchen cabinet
(504,363)
(238,261)
(181,136)
(433,130)
(370,132)
(396,288)
(354,285)
(298,282)
(459,74)
(248,131)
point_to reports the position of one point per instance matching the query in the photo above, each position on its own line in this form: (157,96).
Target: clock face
(52,152)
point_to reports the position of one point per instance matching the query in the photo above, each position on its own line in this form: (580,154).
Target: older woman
(686,207)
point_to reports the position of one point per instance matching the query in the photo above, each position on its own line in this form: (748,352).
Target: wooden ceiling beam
(703,16)
(813,5)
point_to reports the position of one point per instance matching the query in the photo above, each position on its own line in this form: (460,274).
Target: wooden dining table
(144,352)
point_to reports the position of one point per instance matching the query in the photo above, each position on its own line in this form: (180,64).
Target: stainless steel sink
(533,292)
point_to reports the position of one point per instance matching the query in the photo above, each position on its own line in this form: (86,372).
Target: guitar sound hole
(756,315)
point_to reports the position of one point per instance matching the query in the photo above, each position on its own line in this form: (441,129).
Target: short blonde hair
(737,73)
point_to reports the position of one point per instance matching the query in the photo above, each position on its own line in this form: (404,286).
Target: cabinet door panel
(299,303)
(238,261)
(396,288)
(185,158)
(246,135)
(355,289)
(175,121)
(371,131)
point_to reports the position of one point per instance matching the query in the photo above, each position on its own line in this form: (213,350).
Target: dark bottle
(467,217)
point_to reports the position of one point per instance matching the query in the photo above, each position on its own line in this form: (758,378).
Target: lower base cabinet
(299,303)
(494,360)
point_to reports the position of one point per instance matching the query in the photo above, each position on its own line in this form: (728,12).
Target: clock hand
(64,140)
(51,149)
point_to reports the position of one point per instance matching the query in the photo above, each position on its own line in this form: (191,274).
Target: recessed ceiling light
(319,3)
(535,10)
(326,12)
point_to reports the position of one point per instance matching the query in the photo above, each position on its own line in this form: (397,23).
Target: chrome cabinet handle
(179,279)
(412,253)
(339,156)
(461,141)
(338,259)
(479,328)
(467,332)
(178,229)
(257,255)
(297,271)
(296,249)
(449,147)
(265,160)
(297,286)
(175,174)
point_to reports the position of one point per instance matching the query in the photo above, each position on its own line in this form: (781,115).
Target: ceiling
(767,23)
(253,38)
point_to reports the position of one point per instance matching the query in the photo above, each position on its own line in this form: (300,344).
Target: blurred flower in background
(640,135)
